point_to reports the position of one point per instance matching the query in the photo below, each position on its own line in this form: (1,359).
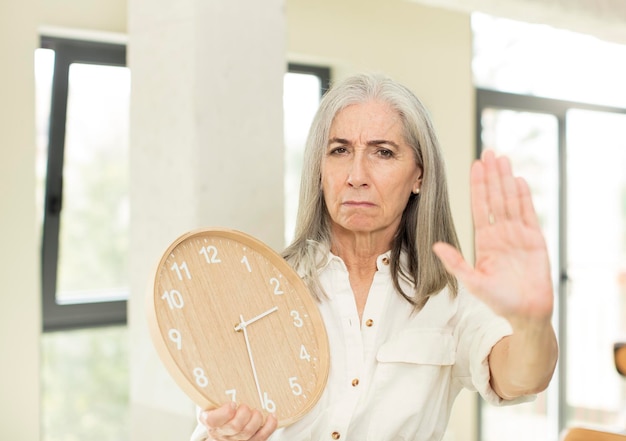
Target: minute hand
(243,324)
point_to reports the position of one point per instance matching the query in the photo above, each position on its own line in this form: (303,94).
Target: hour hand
(243,324)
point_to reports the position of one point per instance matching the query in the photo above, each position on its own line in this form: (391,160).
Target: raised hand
(512,271)
(512,275)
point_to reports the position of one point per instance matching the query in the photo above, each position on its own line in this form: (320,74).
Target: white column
(206,149)
(20,316)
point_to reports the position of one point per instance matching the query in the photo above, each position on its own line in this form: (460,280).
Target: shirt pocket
(411,391)
(419,346)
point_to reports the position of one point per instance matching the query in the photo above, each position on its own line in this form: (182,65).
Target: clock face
(231,320)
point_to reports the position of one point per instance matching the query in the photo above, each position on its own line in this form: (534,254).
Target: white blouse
(395,375)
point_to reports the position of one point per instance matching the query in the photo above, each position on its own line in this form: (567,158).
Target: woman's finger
(454,262)
(478,189)
(237,423)
(495,199)
(213,418)
(268,428)
(529,215)
(248,424)
(232,422)
(509,188)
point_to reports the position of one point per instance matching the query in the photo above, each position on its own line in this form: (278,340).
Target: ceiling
(606,19)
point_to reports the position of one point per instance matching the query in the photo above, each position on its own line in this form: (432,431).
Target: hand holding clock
(233,422)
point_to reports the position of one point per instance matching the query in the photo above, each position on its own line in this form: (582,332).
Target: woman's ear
(418,182)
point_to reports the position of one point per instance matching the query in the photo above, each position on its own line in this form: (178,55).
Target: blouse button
(355,382)
(336,435)
(369,323)
(386,260)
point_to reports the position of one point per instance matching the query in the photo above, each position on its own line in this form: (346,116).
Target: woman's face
(368,170)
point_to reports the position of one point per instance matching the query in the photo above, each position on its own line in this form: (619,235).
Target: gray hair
(427,216)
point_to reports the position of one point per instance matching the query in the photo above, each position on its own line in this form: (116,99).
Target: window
(573,153)
(82,92)
(86,204)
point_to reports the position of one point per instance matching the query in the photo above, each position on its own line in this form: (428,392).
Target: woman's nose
(358,174)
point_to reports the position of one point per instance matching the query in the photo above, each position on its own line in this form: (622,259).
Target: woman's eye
(385,153)
(338,150)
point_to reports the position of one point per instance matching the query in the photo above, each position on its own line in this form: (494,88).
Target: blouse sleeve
(478,330)
(200,433)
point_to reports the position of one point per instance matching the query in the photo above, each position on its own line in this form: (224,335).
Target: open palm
(512,271)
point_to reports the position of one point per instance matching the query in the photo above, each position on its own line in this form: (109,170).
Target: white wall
(427,49)
(90,15)
(19,271)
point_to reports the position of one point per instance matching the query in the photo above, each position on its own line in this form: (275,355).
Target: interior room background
(206,136)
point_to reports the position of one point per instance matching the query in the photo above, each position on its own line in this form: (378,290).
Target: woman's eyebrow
(377,142)
(374,142)
(336,140)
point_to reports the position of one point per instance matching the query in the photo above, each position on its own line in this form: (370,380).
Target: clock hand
(242,327)
(243,324)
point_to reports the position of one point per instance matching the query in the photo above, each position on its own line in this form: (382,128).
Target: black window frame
(57,316)
(322,72)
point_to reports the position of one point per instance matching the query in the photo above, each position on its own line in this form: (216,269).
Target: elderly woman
(410,322)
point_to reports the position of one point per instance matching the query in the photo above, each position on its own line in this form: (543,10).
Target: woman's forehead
(375,118)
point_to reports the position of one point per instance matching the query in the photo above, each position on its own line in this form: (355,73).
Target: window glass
(530,140)
(94,232)
(540,60)
(596,260)
(84,385)
(300,101)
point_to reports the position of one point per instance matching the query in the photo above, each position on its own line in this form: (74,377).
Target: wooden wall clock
(231,320)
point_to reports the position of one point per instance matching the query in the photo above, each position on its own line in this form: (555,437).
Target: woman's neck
(359,250)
